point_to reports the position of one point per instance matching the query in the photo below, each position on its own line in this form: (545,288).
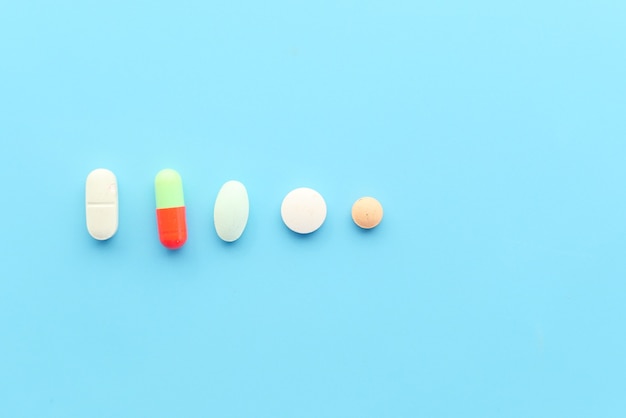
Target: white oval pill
(101,204)
(303,210)
(230,214)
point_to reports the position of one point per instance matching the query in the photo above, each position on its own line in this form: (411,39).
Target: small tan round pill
(367,212)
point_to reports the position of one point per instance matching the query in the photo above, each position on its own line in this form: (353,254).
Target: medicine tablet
(170,209)
(101,204)
(367,212)
(303,210)
(230,214)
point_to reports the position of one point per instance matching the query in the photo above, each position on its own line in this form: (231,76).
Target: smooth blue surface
(494,134)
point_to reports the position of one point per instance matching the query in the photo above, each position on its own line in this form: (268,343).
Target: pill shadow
(239,242)
(174,254)
(367,232)
(102,244)
(311,237)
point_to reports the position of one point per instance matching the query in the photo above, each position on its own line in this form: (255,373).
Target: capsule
(101,204)
(170,209)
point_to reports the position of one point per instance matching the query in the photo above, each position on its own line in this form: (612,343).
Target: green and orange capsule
(170,209)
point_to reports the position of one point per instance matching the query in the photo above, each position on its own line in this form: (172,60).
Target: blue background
(494,134)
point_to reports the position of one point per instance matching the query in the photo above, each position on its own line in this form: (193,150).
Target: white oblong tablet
(230,214)
(303,210)
(101,204)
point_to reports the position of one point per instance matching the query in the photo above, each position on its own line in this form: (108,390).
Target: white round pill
(303,210)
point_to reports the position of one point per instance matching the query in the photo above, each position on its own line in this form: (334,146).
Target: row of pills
(303,210)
